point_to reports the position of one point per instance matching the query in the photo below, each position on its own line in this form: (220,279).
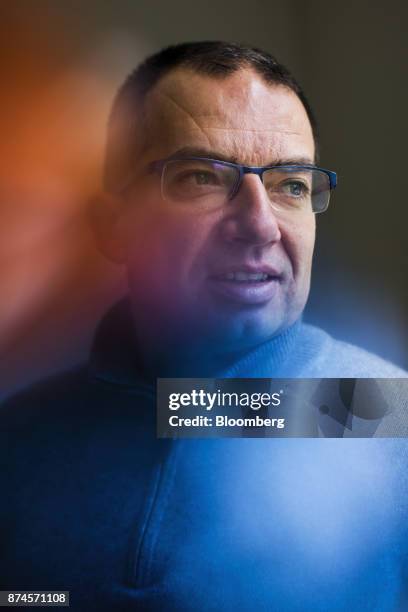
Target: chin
(246,330)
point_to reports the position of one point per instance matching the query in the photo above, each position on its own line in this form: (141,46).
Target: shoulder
(337,359)
(363,363)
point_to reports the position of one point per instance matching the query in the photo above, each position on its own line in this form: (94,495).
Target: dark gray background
(350,58)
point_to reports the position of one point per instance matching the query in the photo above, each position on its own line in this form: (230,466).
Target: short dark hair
(217,59)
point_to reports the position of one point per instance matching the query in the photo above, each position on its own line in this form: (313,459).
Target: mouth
(247,286)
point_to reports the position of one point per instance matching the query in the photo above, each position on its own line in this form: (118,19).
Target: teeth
(246,276)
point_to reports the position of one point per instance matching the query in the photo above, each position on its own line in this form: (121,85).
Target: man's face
(178,254)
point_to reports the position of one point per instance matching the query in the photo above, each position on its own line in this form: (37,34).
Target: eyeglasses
(211,183)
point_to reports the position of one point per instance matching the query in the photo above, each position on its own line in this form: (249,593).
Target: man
(211,191)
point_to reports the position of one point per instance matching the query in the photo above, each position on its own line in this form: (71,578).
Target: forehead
(241,116)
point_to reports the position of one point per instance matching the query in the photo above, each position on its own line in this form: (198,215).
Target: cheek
(165,250)
(299,242)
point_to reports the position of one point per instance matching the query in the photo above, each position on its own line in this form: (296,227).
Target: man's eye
(199,178)
(205,178)
(296,189)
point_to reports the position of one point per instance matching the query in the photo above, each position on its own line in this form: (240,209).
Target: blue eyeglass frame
(158,166)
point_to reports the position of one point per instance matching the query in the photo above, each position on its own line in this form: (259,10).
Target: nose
(251,218)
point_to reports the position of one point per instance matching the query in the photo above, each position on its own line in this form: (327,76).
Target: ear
(106,212)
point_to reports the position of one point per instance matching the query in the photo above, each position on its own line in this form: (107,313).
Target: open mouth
(245,277)
(247,287)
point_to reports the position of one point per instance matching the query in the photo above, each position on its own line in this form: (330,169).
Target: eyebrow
(186,152)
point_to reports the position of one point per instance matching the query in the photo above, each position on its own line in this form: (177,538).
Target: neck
(175,362)
(123,355)
(159,359)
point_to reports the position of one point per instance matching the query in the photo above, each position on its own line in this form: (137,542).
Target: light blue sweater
(305,351)
(95,503)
